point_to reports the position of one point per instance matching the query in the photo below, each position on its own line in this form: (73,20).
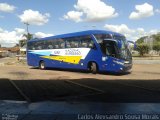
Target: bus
(92,50)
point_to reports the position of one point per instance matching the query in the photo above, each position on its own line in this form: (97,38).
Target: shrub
(142,49)
(156,47)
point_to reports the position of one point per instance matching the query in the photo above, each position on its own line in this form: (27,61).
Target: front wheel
(42,65)
(93,68)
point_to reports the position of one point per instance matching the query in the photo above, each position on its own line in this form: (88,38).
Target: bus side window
(50,47)
(68,45)
(72,42)
(61,43)
(30,46)
(86,42)
(56,46)
(58,43)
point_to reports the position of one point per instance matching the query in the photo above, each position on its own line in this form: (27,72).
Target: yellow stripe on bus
(68,59)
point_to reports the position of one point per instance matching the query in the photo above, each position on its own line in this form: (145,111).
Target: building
(9,52)
(3,52)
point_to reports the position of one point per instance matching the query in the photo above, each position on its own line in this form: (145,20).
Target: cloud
(91,10)
(34,17)
(10,38)
(1,30)
(119,28)
(73,15)
(4,7)
(131,34)
(142,11)
(20,31)
(157,10)
(42,35)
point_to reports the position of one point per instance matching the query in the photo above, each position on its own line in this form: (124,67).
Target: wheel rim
(42,65)
(93,68)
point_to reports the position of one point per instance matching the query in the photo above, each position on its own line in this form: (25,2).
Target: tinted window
(56,44)
(30,46)
(36,45)
(48,44)
(72,42)
(101,37)
(39,45)
(86,42)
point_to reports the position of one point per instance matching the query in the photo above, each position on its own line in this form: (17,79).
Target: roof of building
(12,49)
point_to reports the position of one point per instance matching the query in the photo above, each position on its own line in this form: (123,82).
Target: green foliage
(156,38)
(156,47)
(22,43)
(141,40)
(28,36)
(142,49)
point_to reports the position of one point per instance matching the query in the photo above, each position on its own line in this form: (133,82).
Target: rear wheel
(42,65)
(93,68)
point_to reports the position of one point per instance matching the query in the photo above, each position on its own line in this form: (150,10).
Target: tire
(42,65)
(93,68)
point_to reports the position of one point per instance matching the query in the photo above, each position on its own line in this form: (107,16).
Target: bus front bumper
(125,68)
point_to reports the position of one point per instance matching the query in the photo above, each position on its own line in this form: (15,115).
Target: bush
(156,47)
(142,49)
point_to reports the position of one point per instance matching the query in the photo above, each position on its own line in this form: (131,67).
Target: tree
(156,47)
(142,49)
(22,43)
(28,36)
(141,40)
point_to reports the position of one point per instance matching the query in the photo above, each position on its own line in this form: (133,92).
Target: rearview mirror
(134,43)
(119,43)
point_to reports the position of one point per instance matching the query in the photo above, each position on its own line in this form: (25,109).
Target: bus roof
(88,32)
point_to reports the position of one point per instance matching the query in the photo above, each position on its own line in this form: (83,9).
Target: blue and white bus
(93,50)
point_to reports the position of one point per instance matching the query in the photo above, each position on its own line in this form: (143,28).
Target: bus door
(109,48)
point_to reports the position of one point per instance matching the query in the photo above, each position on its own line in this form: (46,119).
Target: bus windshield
(110,47)
(124,52)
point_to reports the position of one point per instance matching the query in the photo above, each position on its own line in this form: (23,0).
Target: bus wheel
(93,68)
(42,65)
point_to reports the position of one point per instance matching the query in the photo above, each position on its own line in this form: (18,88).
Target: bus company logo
(72,52)
(57,52)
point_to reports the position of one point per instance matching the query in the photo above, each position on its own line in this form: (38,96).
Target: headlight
(120,63)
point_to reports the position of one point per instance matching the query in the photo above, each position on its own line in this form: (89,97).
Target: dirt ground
(23,72)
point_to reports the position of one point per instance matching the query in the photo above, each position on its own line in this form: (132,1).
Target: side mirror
(134,43)
(119,44)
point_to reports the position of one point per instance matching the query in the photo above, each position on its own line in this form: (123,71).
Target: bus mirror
(134,43)
(119,44)
(135,46)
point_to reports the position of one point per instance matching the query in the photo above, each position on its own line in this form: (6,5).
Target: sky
(133,18)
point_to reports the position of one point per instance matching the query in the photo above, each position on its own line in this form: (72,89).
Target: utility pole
(27,24)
